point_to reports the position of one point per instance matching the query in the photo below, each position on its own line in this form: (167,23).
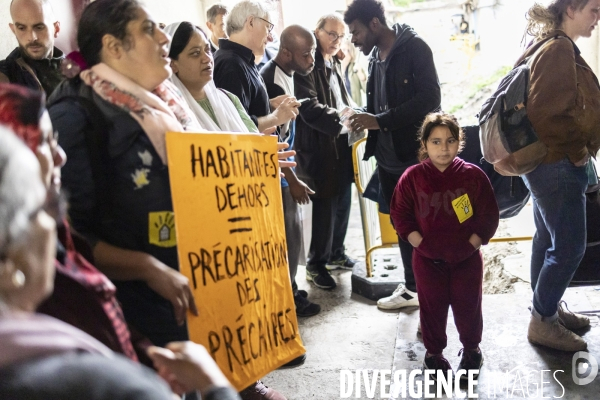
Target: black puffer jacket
(123,199)
(41,74)
(413,91)
(323,156)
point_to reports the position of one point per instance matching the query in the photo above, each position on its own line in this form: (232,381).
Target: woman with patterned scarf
(112,117)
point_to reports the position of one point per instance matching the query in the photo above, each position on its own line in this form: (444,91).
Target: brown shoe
(261,392)
(569,319)
(554,335)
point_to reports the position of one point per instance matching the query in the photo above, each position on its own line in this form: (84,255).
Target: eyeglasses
(333,35)
(270,25)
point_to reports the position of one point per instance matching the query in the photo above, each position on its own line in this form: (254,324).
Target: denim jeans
(558,193)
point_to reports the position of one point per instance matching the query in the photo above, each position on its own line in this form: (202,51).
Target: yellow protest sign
(231,245)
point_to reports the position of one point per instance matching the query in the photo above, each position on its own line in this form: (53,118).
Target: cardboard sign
(231,245)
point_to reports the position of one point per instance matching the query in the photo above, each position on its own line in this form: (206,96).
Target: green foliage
(480,83)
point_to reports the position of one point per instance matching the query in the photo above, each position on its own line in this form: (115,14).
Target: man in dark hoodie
(36,62)
(402,89)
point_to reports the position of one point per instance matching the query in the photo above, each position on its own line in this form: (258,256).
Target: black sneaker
(302,293)
(321,278)
(304,308)
(471,359)
(296,362)
(345,263)
(436,363)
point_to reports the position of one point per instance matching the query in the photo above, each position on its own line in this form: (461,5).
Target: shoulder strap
(529,60)
(21,63)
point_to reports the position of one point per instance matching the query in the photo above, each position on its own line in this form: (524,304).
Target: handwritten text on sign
(231,244)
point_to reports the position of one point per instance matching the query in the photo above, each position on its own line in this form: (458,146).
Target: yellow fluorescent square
(463,208)
(161,229)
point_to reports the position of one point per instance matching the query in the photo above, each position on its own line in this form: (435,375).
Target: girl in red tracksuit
(445,207)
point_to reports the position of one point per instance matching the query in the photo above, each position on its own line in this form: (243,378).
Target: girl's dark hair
(364,11)
(433,120)
(104,17)
(182,37)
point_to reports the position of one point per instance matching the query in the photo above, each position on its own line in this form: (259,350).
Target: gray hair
(330,17)
(21,189)
(214,11)
(244,9)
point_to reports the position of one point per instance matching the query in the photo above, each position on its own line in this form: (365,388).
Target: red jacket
(85,298)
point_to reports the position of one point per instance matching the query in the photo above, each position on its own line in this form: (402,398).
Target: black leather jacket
(323,156)
(413,91)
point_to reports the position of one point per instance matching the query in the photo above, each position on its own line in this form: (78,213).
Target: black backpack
(510,191)
(508,140)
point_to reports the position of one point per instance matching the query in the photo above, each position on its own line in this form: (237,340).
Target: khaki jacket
(564,100)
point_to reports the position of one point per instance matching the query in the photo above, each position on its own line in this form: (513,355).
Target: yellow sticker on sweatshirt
(463,208)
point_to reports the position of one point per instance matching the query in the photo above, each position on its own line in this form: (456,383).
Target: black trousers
(387,184)
(293,233)
(329,226)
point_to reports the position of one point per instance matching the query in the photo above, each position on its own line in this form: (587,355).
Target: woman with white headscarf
(192,64)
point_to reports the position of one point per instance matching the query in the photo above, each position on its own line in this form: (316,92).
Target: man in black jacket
(36,62)
(402,89)
(249,29)
(323,155)
(295,56)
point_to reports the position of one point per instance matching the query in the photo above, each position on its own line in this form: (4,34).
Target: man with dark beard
(402,89)
(36,62)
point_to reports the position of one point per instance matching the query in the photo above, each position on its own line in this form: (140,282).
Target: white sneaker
(402,297)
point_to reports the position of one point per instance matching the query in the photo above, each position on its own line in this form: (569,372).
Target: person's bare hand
(269,131)
(187,366)
(276,102)
(361,121)
(475,241)
(300,191)
(174,287)
(287,110)
(284,155)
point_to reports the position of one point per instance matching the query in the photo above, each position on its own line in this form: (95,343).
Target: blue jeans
(558,193)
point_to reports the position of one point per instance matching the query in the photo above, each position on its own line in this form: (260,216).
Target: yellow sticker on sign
(161,229)
(463,208)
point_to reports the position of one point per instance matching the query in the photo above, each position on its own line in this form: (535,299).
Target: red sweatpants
(441,285)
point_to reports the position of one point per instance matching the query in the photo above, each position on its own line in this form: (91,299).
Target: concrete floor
(351,334)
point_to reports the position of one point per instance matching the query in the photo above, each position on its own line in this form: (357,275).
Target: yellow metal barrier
(377,228)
